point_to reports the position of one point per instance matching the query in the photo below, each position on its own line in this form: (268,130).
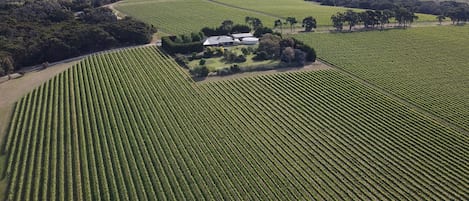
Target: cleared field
(427,66)
(290,8)
(299,9)
(178,16)
(131,125)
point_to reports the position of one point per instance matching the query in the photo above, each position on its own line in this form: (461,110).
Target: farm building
(245,38)
(234,39)
(249,41)
(240,36)
(219,41)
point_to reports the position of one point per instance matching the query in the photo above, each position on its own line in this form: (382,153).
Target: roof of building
(242,35)
(250,41)
(215,40)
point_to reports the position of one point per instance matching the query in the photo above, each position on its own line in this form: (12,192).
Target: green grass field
(178,16)
(217,63)
(290,8)
(132,125)
(185,16)
(427,66)
(299,9)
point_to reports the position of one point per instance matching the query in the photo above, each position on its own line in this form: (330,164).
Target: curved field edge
(425,65)
(133,125)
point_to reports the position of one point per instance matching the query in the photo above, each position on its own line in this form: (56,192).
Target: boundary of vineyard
(404,101)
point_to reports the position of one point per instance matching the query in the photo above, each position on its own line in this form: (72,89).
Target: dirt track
(12,90)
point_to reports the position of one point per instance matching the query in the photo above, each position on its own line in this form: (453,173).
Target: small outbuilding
(249,41)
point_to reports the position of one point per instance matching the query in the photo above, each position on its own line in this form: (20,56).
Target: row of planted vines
(131,125)
(426,66)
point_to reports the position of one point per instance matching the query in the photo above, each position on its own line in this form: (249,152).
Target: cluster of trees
(226,28)
(288,21)
(457,15)
(46,31)
(372,19)
(75,5)
(290,51)
(309,23)
(427,7)
(229,27)
(256,25)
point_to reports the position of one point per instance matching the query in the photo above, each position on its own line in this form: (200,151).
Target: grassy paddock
(178,17)
(427,66)
(300,9)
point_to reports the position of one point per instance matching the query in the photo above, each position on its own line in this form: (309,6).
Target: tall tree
(404,16)
(384,17)
(309,23)
(292,21)
(440,18)
(254,22)
(279,23)
(6,63)
(227,25)
(247,20)
(351,17)
(338,21)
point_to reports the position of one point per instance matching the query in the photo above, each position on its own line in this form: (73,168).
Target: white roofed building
(242,35)
(249,41)
(219,41)
(234,39)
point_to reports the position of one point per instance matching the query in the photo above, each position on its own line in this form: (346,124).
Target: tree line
(229,27)
(308,23)
(372,19)
(418,6)
(43,31)
(457,11)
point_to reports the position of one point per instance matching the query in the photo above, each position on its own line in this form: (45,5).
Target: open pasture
(182,17)
(299,9)
(131,125)
(427,66)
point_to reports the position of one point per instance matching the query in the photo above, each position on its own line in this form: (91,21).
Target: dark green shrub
(199,71)
(240,59)
(183,48)
(235,68)
(202,62)
(261,56)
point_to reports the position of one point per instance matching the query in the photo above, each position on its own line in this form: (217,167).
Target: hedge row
(310,52)
(172,47)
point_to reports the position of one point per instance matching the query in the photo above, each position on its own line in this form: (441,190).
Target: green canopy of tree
(309,23)
(42,31)
(292,21)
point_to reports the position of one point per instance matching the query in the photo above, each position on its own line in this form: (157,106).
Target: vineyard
(131,125)
(180,16)
(427,66)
